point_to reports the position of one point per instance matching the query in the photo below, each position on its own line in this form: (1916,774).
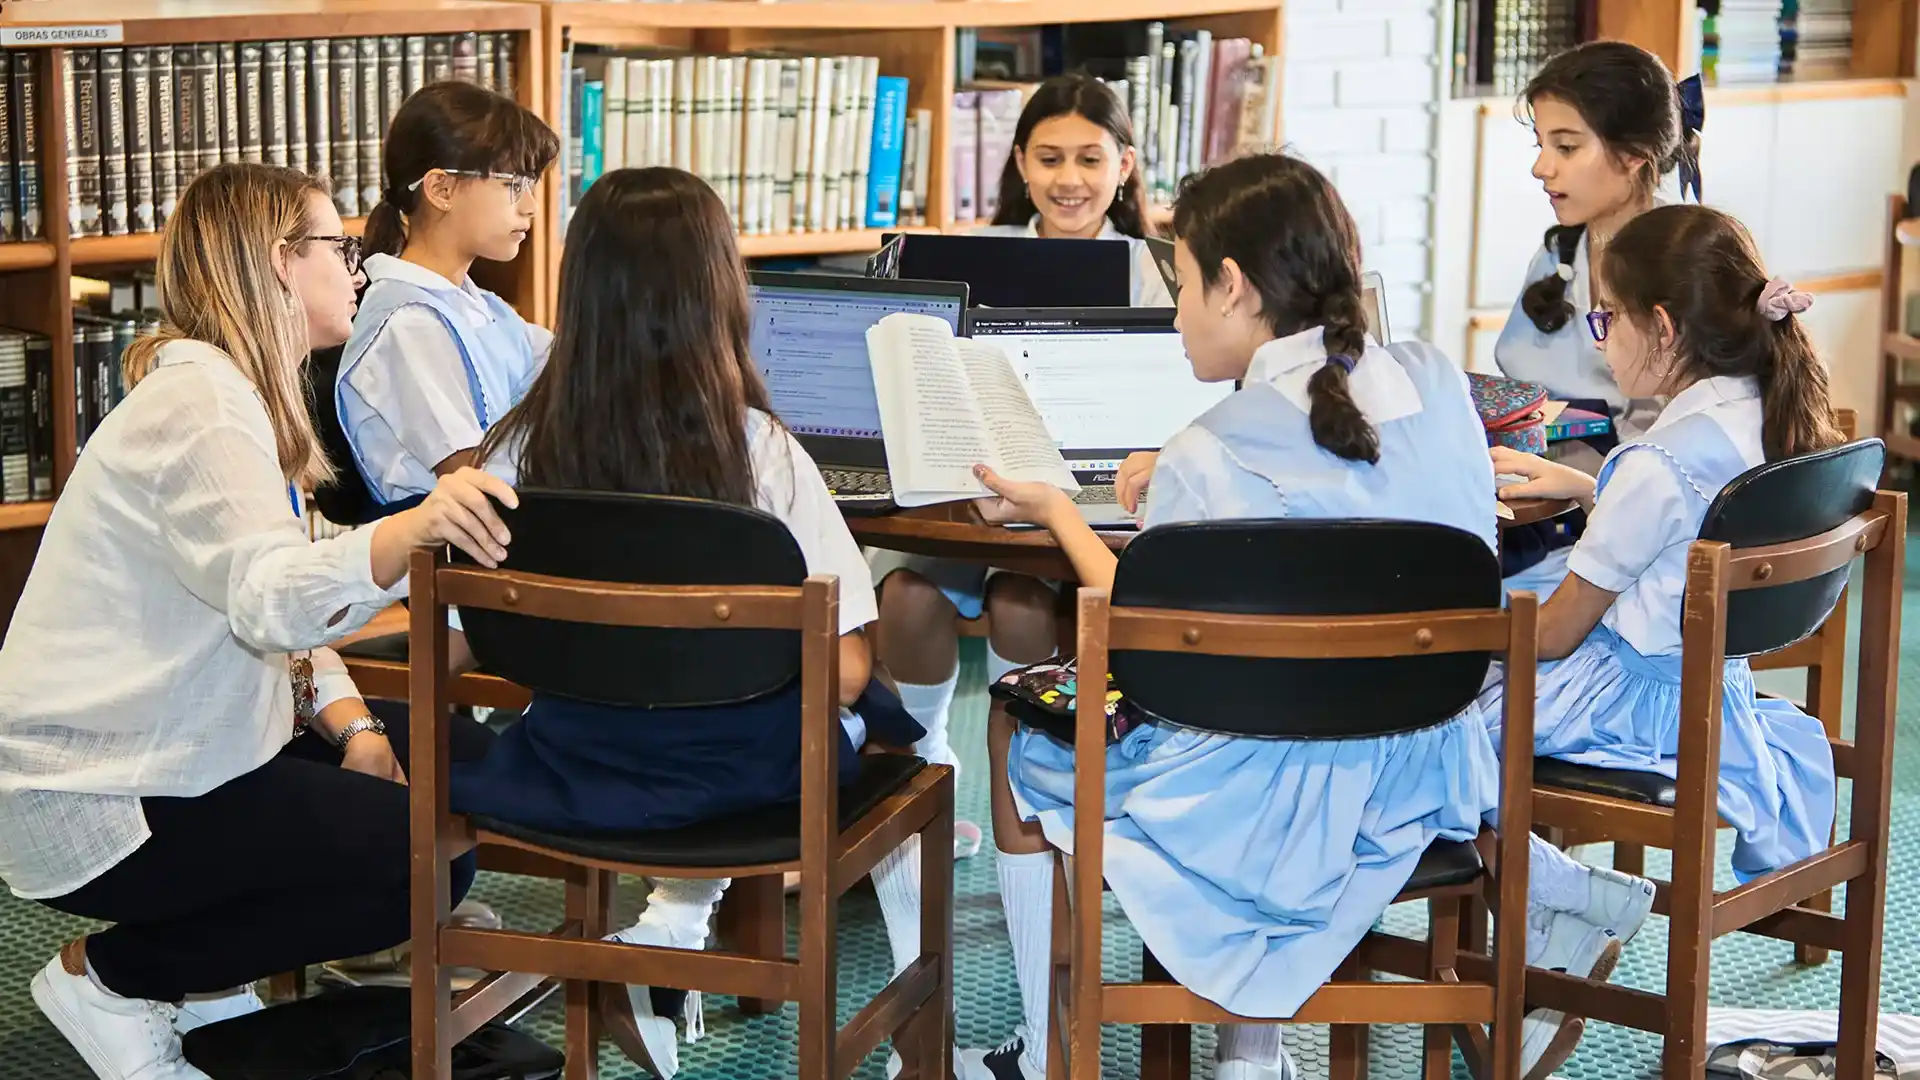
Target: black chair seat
(1624,784)
(767,835)
(1446,863)
(390,647)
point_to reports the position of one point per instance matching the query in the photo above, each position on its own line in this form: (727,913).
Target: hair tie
(1563,271)
(1343,362)
(1779,299)
(1693,119)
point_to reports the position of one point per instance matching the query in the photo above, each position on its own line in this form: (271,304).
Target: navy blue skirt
(573,767)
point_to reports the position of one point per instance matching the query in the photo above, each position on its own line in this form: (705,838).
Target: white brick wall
(1360,100)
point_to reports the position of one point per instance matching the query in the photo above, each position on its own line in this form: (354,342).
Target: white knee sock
(1255,1044)
(683,907)
(929,704)
(1026,892)
(1555,879)
(998,665)
(896,881)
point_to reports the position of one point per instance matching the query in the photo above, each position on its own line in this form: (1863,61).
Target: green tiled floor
(1745,971)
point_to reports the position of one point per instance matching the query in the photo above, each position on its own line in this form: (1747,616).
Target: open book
(948,404)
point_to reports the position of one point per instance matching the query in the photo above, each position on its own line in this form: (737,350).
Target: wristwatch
(354,727)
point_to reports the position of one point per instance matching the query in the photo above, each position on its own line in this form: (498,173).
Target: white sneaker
(1617,901)
(198,1012)
(650,1041)
(1007,1062)
(1247,1070)
(1574,946)
(119,1038)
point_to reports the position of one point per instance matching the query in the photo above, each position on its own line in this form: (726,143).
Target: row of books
(21,205)
(26,417)
(1499,44)
(791,143)
(141,122)
(1816,38)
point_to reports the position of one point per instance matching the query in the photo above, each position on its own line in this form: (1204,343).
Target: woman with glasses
(435,360)
(181,757)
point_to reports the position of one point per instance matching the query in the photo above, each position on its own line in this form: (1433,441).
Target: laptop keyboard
(857,482)
(1097,495)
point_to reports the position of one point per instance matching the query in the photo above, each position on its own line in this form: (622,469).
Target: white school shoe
(198,1012)
(1247,1070)
(1548,1037)
(119,1038)
(1617,901)
(648,1040)
(1006,1062)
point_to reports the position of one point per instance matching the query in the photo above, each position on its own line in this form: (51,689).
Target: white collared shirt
(1149,289)
(412,375)
(1636,539)
(148,655)
(1379,385)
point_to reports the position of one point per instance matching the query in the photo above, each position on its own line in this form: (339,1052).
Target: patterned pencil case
(1043,696)
(1511,410)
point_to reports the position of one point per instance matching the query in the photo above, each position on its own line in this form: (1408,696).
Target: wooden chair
(1775,551)
(648,601)
(1307,630)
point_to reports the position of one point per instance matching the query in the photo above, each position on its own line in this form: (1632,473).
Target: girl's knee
(1022,620)
(907,597)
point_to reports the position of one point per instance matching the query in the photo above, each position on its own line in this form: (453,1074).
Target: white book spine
(685,94)
(639,114)
(803,158)
(613,113)
(706,77)
(863,141)
(786,143)
(662,123)
(769,141)
(834,82)
(754,153)
(733,85)
(909,168)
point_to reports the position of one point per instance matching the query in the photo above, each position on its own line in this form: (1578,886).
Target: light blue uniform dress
(1615,702)
(1252,867)
(405,399)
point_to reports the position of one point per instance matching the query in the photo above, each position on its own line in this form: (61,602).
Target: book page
(930,422)
(1024,451)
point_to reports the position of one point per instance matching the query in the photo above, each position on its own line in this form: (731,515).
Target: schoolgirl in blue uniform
(651,388)
(1329,424)
(1611,125)
(1074,174)
(435,360)
(1688,314)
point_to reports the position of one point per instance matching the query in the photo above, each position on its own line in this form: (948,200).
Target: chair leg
(1061,952)
(287,986)
(1630,858)
(1347,1050)
(1166,1050)
(819,979)
(589,899)
(925,1041)
(1826,699)
(753,920)
(1443,940)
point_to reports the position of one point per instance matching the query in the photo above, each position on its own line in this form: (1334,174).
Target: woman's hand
(369,752)
(457,511)
(1544,479)
(1013,501)
(1131,481)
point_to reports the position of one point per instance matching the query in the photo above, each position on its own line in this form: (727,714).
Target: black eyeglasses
(348,246)
(1598,323)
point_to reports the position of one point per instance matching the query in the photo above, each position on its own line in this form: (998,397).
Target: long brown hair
(1093,101)
(452,125)
(1283,223)
(650,378)
(1700,266)
(217,284)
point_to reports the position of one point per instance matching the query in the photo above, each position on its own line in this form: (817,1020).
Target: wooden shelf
(97,251)
(583,17)
(33,255)
(24,515)
(149,22)
(794,245)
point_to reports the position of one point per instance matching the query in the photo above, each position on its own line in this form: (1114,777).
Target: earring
(1226,312)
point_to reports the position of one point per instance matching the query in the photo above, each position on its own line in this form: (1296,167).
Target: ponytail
(1545,301)
(1797,412)
(386,228)
(1339,427)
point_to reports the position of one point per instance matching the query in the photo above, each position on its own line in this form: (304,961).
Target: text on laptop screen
(811,348)
(1105,391)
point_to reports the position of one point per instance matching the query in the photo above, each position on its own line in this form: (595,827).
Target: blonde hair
(218,285)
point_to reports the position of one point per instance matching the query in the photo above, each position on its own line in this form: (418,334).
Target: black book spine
(9,154)
(166,163)
(125,328)
(140,139)
(117,221)
(486,63)
(273,105)
(440,58)
(26,157)
(393,79)
(346,129)
(414,74)
(249,86)
(84,416)
(504,70)
(206,59)
(466,57)
(298,108)
(186,117)
(371,129)
(40,389)
(82,78)
(320,109)
(101,341)
(16,418)
(232,125)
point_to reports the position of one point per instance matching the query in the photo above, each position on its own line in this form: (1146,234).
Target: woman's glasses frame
(1598,323)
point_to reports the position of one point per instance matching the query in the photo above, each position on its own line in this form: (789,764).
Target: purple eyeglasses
(1598,322)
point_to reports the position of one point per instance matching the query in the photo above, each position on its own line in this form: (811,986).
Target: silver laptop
(1107,382)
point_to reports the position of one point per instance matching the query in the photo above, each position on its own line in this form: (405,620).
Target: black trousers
(297,862)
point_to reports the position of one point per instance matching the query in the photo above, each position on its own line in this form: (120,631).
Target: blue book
(889,147)
(592,134)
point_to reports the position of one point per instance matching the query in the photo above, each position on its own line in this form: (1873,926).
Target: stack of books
(21,216)
(1817,38)
(26,417)
(1742,42)
(141,122)
(791,143)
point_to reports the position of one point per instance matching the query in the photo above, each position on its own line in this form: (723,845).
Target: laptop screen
(1107,382)
(809,341)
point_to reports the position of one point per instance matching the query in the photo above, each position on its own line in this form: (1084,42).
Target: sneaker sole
(1567,1037)
(615,1009)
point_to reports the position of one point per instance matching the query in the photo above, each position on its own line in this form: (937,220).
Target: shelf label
(21,37)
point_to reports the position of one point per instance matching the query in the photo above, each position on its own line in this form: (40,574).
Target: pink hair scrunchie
(1780,299)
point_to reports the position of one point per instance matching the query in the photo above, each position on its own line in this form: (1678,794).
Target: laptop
(1014,271)
(1373,290)
(1107,382)
(809,340)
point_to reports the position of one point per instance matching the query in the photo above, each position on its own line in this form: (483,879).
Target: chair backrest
(1780,502)
(1305,568)
(345,500)
(640,540)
